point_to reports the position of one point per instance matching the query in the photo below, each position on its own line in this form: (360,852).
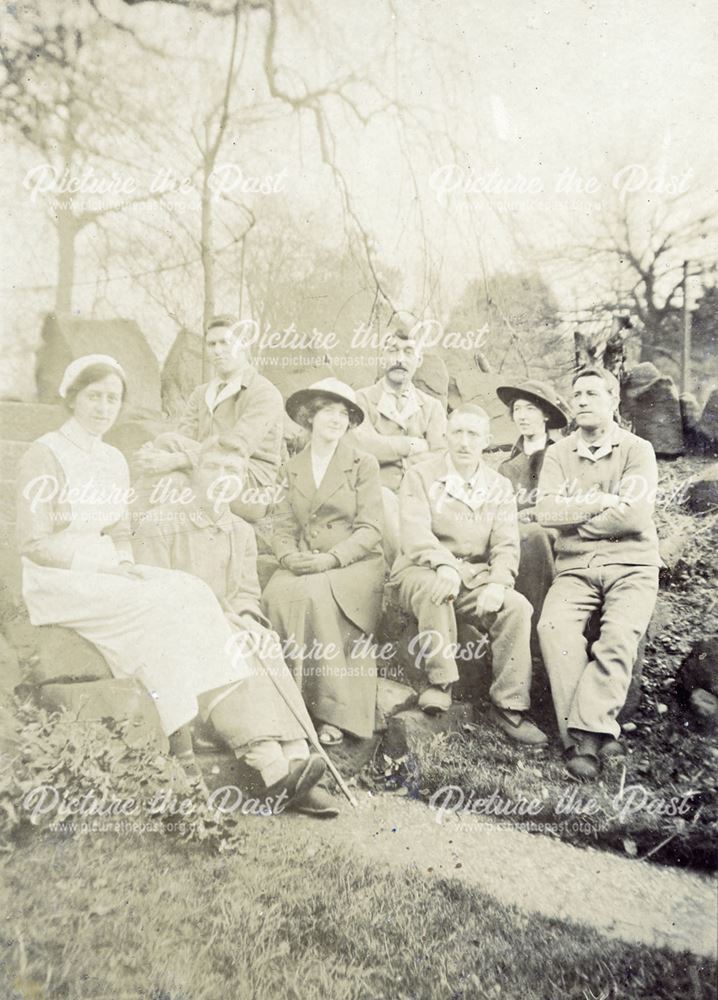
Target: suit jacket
(384,431)
(343,516)
(438,528)
(248,414)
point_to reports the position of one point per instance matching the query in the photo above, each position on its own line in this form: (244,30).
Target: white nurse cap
(80,364)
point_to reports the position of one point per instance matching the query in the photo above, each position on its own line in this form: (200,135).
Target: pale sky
(515,88)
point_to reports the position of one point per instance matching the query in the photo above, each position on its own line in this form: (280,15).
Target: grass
(626,816)
(105,916)
(668,755)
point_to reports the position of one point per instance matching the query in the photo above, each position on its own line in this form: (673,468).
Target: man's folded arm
(555,508)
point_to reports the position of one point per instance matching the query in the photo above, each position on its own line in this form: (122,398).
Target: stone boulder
(53,654)
(708,425)
(702,492)
(391,698)
(121,699)
(408,731)
(697,682)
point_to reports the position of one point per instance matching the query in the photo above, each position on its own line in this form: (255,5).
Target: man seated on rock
(460,554)
(266,716)
(401,426)
(597,487)
(241,407)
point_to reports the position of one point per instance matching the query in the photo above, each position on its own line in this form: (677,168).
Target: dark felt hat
(540,394)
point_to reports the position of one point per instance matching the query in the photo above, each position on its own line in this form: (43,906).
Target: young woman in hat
(325,599)
(536,411)
(163,627)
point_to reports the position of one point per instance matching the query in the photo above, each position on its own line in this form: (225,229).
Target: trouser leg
(536,572)
(566,611)
(629,596)
(295,749)
(392,532)
(433,648)
(267,757)
(509,631)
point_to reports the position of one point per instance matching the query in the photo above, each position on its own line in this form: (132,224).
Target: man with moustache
(460,554)
(597,487)
(240,407)
(402,423)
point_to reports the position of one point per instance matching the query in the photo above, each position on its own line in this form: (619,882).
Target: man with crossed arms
(597,487)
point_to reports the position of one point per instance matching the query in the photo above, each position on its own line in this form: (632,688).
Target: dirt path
(621,897)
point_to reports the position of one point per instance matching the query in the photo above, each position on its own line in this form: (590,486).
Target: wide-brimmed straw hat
(331,389)
(540,394)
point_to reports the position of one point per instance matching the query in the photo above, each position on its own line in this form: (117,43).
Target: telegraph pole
(686,351)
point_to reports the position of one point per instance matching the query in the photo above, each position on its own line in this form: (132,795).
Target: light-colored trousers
(391,536)
(589,694)
(508,630)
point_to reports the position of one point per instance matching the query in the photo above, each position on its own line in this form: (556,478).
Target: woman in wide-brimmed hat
(537,412)
(325,599)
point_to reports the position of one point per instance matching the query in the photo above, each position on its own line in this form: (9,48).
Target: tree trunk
(207,260)
(67,230)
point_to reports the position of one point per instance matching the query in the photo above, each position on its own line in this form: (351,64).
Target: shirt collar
(604,445)
(215,395)
(76,433)
(472,492)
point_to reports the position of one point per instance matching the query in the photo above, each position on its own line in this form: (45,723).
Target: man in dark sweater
(597,487)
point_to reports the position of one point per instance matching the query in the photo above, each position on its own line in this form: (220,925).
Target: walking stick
(313,739)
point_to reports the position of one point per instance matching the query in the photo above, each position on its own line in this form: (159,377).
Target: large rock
(121,699)
(704,706)
(708,425)
(650,401)
(410,730)
(702,492)
(391,698)
(700,668)
(57,655)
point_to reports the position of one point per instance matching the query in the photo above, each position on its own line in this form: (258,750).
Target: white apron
(168,630)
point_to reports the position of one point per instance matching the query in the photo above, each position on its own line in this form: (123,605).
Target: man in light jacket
(240,407)
(402,424)
(459,556)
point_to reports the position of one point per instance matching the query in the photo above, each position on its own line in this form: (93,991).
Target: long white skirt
(168,630)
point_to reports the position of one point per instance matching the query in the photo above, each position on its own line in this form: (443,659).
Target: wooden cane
(314,740)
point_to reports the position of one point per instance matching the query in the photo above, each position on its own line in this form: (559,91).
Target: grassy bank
(141,917)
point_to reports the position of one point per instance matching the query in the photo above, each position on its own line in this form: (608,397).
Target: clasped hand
(446,585)
(301,563)
(490,598)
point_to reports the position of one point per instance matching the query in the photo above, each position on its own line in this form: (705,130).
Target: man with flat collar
(459,556)
(597,487)
(402,424)
(239,406)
